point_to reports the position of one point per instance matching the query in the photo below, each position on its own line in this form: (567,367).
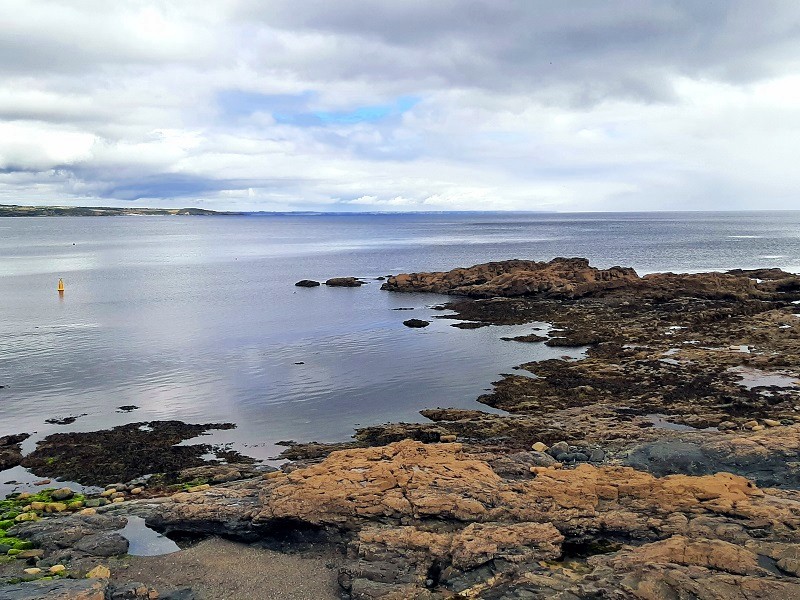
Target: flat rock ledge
(433,521)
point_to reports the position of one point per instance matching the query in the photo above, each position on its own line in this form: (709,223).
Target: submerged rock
(307,283)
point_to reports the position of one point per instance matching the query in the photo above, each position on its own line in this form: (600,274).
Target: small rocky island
(663,464)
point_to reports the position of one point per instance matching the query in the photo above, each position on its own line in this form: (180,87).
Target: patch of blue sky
(236,104)
(362,114)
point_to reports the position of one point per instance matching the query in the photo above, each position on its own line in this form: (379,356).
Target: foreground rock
(123,453)
(431,520)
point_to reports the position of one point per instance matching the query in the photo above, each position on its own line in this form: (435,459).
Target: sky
(412,105)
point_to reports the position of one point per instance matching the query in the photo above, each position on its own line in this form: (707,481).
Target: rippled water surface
(197,318)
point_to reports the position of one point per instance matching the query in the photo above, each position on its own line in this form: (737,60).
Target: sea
(198,318)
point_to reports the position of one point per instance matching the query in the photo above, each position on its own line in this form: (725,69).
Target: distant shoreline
(14,210)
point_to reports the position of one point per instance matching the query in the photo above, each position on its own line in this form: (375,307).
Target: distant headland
(13,210)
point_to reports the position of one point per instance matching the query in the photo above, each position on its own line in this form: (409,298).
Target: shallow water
(198,319)
(144,541)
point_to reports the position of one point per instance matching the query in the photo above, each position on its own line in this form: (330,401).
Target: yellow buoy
(60,285)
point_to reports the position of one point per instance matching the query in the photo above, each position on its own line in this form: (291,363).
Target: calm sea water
(198,319)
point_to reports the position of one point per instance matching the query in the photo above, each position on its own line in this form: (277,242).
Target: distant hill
(13,210)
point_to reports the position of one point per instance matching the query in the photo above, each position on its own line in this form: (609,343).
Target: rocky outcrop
(559,278)
(573,278)
(307,283)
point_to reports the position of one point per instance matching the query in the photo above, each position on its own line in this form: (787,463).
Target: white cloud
(519,104)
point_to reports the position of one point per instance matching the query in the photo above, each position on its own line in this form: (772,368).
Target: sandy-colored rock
(99,572)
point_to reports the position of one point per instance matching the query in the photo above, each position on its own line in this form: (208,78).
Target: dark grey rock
(597,455)
(519,464)
(580,457)
(103,544)
(307,283)
(416,323)
(344,282)
(670,458)
(91,589)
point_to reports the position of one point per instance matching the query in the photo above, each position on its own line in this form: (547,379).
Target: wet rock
(307,283)
(529,338)
(122,453)
(416,323)
(64,420)
(10,450)
(344,282)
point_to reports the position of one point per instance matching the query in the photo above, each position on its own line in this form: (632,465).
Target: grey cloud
(589,49)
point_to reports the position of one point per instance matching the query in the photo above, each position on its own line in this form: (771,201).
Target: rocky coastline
(663,464)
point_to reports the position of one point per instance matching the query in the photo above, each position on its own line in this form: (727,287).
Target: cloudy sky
(401,105)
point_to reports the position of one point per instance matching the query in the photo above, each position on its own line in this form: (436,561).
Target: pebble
(757,428)
(118,500)
(88,511)
(750,424)
(55,569)
(26,554)
(136,491)
(580,457)
(42,482)
(539,447)
(726,425)
(108,492)
(446,439)
(771,423)
(597,455)
(559,448)
(32,571)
